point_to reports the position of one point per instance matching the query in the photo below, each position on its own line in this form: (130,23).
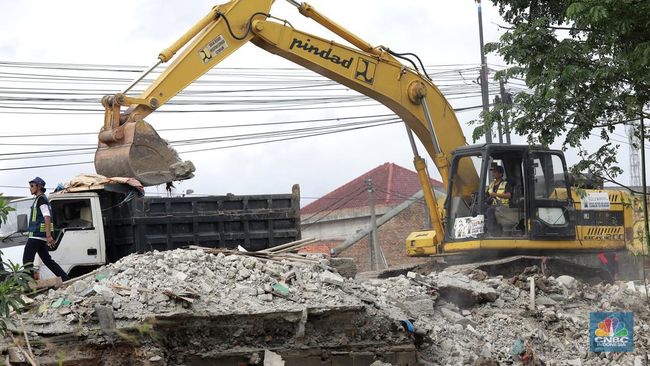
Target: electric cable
(333,208)
(403,57)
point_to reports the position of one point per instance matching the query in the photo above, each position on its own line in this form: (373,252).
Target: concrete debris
(155,358)
(141,285)
(503,331)
(211,306)
(202,306)
(105,317)
(544,300)
(567,281)
(331,278)
(346,267)
(380,363)
(272,359)
(454,317)
(463,290)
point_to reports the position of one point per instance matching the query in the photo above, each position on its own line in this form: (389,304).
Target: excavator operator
(498,195)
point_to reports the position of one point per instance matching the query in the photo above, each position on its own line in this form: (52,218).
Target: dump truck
(99,224)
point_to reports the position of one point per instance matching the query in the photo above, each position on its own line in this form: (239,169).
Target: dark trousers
(34,246)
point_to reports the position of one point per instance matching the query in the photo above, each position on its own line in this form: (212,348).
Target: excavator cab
(537,206)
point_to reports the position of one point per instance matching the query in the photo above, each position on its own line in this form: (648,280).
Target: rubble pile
(202,306)
(501,327)
(182,280)
(209,303)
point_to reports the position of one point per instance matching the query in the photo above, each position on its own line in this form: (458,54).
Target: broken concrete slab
(454,317)
(272,359)
(346,267)
(106,318)
(546,301)
(419,305)
(567,281)
(332,278)
(464,291)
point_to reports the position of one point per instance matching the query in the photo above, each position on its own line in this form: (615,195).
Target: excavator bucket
(141,154)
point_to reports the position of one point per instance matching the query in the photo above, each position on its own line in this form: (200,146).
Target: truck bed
(254,222)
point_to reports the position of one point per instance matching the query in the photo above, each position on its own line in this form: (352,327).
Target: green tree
(14,281)
(587,65)
(4,210)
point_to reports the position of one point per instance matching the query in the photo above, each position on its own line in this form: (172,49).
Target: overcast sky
(120,32)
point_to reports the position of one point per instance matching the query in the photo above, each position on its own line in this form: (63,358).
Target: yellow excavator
(545,213)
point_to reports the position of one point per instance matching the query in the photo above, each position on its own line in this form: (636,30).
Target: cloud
(134,32)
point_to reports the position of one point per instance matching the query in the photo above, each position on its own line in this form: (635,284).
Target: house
(344,214)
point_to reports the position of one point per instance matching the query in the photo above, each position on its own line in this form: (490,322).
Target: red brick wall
(392,237)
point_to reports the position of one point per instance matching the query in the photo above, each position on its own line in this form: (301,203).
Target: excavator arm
(372,71)
(128,146)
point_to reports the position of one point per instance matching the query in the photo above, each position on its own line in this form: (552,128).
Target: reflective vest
(36,220)
(501,188)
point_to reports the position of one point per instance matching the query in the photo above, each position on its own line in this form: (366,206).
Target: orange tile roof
(393,185)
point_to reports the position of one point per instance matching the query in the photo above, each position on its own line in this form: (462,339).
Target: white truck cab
(77,229)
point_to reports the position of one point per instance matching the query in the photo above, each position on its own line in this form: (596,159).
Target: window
(548,177)
(72,214)
(464,217)
(550,185)
(21,207)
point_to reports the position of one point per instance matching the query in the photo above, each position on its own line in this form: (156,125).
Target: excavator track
(547,265)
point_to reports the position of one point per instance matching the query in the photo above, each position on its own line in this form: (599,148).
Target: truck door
(13,235)
(78,232)
(551,211)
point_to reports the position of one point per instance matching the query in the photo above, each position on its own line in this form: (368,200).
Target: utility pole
(377,258)
(506,99)
(497,103)
(645,200)
(635,165)
(373,226)
(484,74)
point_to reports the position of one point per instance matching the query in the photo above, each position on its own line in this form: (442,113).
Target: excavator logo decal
(324,54)
(365,71)
(214,48)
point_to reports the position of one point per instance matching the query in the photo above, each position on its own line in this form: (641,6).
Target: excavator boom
(130,147)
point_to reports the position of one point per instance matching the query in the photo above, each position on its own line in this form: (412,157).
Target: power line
(94,133)
(331,208)
(46,166)
(268,134)
(207,149)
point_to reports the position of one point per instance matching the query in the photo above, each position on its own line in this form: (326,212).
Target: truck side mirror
(21,223)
